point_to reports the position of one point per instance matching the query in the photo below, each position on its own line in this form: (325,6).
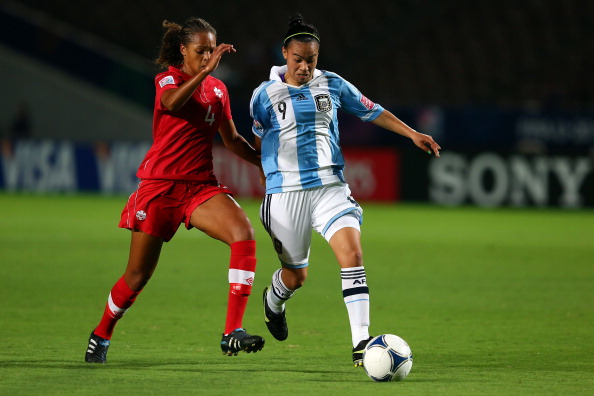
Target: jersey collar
(277,74)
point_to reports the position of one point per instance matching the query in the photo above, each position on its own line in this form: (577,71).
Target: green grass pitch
(492,302)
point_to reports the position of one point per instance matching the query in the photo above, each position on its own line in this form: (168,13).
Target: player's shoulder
(261,89)
(334,80)
(170,71)
(330,75)
(168,77)
(264,84)
(338,83)
(164,78)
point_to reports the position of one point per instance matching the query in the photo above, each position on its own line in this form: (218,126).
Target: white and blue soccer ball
(387,357)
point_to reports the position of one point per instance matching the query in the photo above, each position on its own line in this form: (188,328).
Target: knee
(242,233)
(296,281)
(248,233)
(352,258)
(357,257)
(136,280)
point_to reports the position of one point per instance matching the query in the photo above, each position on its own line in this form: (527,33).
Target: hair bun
(296,19)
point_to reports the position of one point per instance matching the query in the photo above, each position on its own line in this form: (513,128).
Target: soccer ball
(387,357)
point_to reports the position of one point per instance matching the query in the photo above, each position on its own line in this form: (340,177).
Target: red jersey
(182,140)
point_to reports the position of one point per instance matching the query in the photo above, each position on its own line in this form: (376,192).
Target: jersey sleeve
(354,102)
(258,111)
(164,82)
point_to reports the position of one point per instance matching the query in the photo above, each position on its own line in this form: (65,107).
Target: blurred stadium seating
(402,52)
(503,85)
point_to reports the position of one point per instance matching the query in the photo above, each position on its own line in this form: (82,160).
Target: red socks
(120,299)
(242,269)
(241,277)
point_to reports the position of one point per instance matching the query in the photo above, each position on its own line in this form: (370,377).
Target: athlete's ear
(285,53)
(182,49)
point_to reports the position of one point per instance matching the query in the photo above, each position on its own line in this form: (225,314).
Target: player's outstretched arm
(235,143)
(390,122)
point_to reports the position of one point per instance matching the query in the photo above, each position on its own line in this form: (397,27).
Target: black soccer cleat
(97,349)
(240,340)
(358,352)
(276,323)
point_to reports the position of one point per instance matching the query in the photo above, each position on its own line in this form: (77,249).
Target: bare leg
(346,244)
(144,255)
(222,218)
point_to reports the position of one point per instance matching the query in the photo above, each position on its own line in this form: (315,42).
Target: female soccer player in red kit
(178,184)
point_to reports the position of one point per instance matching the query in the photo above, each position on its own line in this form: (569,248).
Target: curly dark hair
(174,35)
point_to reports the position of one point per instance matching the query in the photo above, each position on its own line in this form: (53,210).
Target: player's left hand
(426,143)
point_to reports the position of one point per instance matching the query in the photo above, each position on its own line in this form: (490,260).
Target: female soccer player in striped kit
(178,184)
(296,127)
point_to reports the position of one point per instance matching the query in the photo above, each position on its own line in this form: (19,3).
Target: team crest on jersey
(166,81)
(367,103)
(323,102)
(141,215)
(218,92)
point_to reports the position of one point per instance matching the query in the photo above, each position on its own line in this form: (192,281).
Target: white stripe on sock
(117,311)
(241,276)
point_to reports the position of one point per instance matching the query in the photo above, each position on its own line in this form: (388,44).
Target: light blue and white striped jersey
(299,128)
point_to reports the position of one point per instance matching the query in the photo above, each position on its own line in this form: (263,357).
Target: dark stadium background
(510,78)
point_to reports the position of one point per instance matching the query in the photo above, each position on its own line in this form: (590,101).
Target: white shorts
(290,216)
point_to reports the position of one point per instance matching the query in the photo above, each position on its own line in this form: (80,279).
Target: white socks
(356,298)
(354,291)
(278,293)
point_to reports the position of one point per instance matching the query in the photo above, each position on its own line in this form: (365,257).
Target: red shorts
(158,207)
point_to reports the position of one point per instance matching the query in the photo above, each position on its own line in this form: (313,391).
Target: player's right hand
(215,58)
